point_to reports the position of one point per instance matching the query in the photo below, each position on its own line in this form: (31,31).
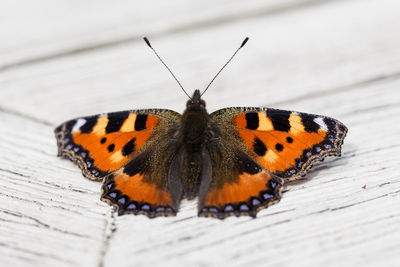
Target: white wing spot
(78,125)
(320,121)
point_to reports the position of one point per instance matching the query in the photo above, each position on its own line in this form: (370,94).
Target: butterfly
(234,160)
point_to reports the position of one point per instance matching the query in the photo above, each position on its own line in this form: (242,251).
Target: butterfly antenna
(162,61)
(234,54)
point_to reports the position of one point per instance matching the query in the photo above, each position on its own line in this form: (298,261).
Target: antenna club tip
(244,42)
(147,42)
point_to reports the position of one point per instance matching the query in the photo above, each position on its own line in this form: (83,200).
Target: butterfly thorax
(195,124)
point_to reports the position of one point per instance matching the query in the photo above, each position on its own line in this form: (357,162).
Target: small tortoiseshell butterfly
(235,160)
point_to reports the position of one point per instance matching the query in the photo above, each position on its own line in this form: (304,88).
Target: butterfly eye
(191,102)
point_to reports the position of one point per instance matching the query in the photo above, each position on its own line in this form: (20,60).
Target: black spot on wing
(115,121)
(280,119)
(289,139)
(111,148)
(140,122)
(279,147)
(247,165)
(259,147)
(309,124)
(103,140)
(89,124)
(136,165)
(129,147)
(252,120)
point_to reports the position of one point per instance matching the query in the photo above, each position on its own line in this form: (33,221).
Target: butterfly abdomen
(191,171)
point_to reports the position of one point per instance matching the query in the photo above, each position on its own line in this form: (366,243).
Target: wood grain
(61,28)
(337,58)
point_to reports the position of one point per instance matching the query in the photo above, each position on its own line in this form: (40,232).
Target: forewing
(285,143)
(101,144)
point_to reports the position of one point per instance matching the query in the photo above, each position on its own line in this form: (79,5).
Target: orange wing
(103,143)
(243,188)
(285,143)
(131,151)
(255,148)
(133,189)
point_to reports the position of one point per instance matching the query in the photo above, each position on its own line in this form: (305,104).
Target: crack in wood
(38,254)
(23,199)
(269,215)
(42,224)
(332,91)
(47,206)
(372,109)
(35,181)
(13,172)
(359,202)
(26,116)
(182,220)
(110,229)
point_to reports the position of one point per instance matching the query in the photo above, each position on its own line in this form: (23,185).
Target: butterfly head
(195,101)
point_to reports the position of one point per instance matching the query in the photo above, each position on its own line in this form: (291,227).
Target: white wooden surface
(63,59)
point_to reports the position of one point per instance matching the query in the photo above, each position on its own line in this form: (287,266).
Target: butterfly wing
(131,151)
(236,185)
(253,148)
(100,144)
(283,142)
(141,186)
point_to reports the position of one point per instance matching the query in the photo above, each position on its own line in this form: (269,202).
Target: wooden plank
(37,31)
(289,57)
(49,216)
(335,59)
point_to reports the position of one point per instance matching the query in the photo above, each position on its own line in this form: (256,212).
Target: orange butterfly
(235,160)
